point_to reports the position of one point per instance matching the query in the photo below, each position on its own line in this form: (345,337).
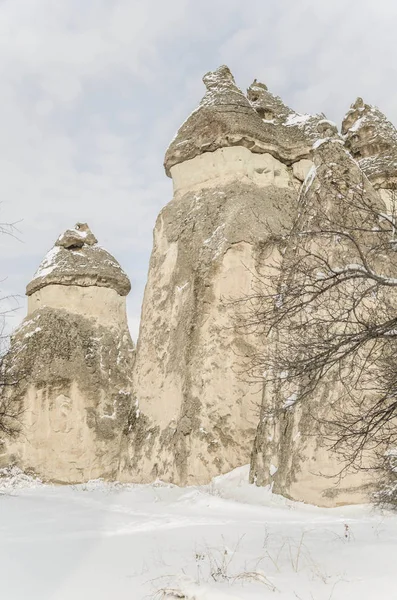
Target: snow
(291,400)
(309,178)
(32,333)
(27,323)
(356,125)
(214,234)
(78,232)
(297,119)
(383,279)
(180,288)
(327,122)
(322,141)
(351,267)
(48,264)
(228,540)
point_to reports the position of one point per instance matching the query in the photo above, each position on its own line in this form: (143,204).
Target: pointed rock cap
(332,184)
(294,129)
(267,105)
(225,117)
(76,259)
(372,140)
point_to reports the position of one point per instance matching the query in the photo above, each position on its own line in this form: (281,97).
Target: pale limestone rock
(301,169)
(77,237)
(237,164)
(72,360)
(225,165)
(232,194)
(289,436)
(189,375)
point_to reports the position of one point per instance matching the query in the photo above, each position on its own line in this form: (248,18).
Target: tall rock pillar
(70,363)
(234,190)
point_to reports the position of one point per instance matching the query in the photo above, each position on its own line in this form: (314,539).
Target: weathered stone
(291,451)
(71,360)
(225,117)
(242,169)
(301,169)
(76,259)
(231,199)
(372,140)
(189,377)
(77,237)
(293,129)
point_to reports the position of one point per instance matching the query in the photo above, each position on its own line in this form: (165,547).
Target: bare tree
(11,409)
(328,312)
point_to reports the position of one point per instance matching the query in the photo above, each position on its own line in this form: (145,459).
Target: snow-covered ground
(225,541)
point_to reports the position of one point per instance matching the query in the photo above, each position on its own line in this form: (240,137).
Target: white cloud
(91,93)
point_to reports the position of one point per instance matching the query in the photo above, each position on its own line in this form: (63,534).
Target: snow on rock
(77,259)
(48,264)
(291,400)
(292,128)
(372,140)
(297,119)
(309,179)
(31,333)
(223,117)
(12,478)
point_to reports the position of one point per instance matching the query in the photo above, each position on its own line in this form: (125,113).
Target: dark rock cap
(76,259)
(225,117)
(259,121)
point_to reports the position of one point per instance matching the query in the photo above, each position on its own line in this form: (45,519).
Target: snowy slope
(225,541)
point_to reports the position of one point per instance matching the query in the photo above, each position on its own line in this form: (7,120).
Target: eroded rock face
(372,140)
(71,361)
(233,195)
(189,375)
(291,451)
(242,169)
(294,129)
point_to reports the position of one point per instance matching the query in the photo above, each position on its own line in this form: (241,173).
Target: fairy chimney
(236,178)
(71,360)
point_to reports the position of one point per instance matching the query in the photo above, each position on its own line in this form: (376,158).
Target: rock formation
(236,179)
(372,141)
(243,168)
(71,362)
(290,451)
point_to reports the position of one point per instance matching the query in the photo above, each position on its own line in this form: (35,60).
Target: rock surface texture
(186,407)
(291,450)
(71,361)
(372,141)
(236,181)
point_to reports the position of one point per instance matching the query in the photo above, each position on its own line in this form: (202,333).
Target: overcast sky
(92,91)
